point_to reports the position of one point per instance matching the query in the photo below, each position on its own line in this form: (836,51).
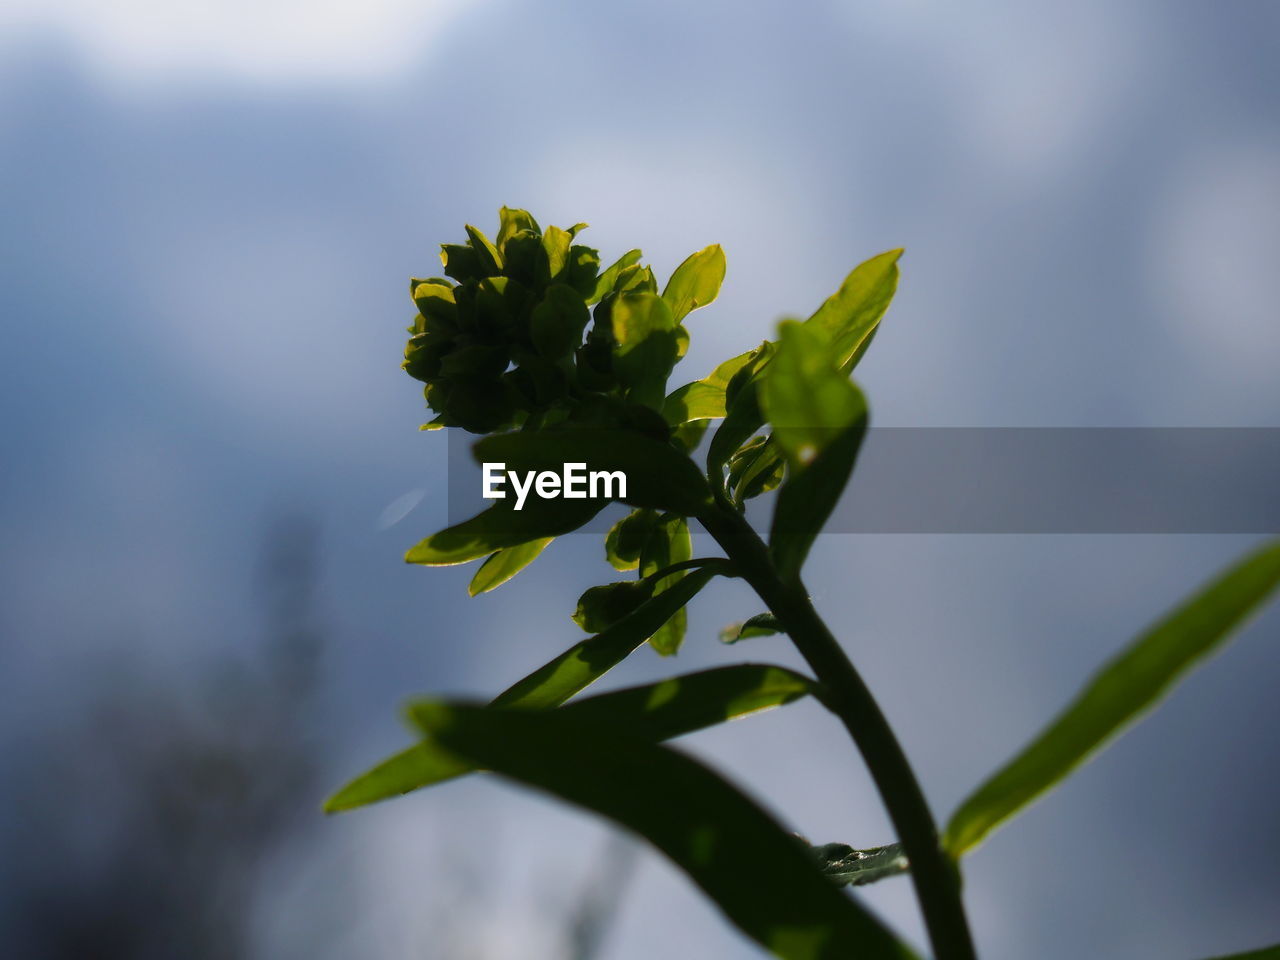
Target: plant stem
(936,882)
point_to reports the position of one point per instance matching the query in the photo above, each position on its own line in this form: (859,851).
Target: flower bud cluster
(502,340)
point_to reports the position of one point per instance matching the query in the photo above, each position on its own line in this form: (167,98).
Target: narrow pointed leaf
(490,258)
(655,711)
(422,765)
(503,526)
(547,687)
(680,705)
(585,662)
(761,625)
(1126,687)
(763,880)
(850,316)
(505,564)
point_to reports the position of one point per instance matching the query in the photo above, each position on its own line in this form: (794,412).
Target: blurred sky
(208,215)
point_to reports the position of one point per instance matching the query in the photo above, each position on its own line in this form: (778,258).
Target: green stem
(936,882)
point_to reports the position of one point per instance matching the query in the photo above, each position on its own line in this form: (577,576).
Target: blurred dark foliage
(142,829)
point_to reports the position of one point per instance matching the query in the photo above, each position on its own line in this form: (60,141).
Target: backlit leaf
(756,872)
(1126,687)
(819,419)
(503,526)
(705,398)
(761,625)
(585,662)
(606,281)
(645,350)
(601,607)
(505,564)
(426,763)
(849,317)
(669,543)
(627,538)
(696,282)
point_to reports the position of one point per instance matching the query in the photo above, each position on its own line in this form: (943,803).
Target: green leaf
(525,258)
(694,401)
(657,475)
(696,282)
(726,371)
(679,705)
(819,419)
(434,299)
(655,711)
(850,316)
(601,607)
(737,853)
(704,399)
(505,564)
(761,625)
(557,322)
(503,526)
(668,543)
(422,765)
(461,262)
(756,468)
(805,396)
(1126,687)
(687,436)
(556,242)
(845,866)
(637,280)
(580,270)
(606,281)
(743,415)
(551,685)
(645,349)
(627,538)
(512,221)
(807,499)
(489,258)
(585,662)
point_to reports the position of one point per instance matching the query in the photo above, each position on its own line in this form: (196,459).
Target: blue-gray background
(208,216)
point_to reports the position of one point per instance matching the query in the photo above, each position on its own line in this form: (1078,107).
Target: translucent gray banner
(1025,480)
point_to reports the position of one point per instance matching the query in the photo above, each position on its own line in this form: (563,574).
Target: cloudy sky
(208,213)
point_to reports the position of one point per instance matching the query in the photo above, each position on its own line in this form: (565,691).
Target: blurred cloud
(1211,268)
(267,41)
